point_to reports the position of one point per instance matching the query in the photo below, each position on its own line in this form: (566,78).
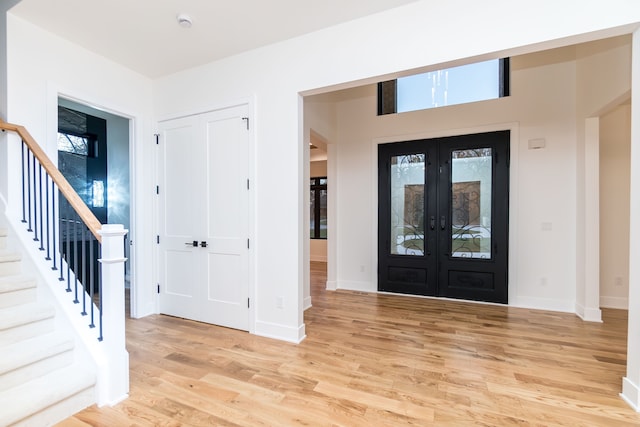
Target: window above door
(479,81)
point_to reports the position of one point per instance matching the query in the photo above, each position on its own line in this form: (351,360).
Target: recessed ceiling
(144,35)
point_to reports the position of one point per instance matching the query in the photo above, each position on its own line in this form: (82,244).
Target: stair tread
(16,282)
(26,352)
(26,313)
(31,397)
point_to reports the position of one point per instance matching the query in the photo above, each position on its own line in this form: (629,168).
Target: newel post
(113,376)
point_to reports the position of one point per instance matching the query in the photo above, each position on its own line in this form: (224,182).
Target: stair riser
(25,331)
(14,298)
(9,268)
(36,369)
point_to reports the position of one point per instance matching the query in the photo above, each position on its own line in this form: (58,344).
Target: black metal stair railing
(64,229)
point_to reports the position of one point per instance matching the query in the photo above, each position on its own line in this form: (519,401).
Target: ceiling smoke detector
(184,20)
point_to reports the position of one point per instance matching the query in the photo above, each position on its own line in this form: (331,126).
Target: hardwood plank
(378,360)
(374,400)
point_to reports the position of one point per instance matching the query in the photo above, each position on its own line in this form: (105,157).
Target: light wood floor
(378,360)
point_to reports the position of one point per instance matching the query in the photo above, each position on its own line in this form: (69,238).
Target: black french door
(443,217)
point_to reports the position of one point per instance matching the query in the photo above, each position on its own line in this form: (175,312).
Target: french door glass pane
(407,204)
(471,174)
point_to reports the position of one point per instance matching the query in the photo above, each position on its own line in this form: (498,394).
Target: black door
(443,217)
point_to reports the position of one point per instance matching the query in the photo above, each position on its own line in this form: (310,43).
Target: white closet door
(204,204)
(227,197)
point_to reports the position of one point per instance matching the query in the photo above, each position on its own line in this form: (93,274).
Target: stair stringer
(51,289)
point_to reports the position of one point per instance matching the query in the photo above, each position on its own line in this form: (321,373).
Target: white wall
(318,168)
(631,382)
(4,104)
(615,151)
(42,67)
(601,86)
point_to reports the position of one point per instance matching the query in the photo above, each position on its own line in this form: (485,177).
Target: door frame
(138,303)
(513,127)
(251,113)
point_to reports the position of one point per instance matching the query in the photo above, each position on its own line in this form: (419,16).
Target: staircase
(41,379)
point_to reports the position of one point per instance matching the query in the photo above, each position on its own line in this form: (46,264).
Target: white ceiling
(144,34)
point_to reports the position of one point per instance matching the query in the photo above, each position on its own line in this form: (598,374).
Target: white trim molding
(619,303)
(630,394)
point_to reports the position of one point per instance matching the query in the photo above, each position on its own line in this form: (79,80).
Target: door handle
(194,244)
(203,244)
(432,222)
(443,222)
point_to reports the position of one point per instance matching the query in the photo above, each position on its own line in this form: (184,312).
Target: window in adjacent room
(318,199)
(73,144)
(82,159)
(458,85)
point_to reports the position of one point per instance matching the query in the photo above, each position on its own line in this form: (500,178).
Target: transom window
(450,86)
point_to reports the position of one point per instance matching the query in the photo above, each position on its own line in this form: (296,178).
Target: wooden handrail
(63,185)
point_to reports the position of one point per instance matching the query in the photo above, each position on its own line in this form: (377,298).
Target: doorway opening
(615,178)
(319,201)
(318,197)
(94,156)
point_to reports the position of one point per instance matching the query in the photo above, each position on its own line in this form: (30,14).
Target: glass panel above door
(471,175)
(407,204)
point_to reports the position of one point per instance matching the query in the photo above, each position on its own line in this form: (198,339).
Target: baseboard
(307,303)
(630,394)
(146,310)
(543,304)
(281,332)
(589,314)
(356,286)
(620,303)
